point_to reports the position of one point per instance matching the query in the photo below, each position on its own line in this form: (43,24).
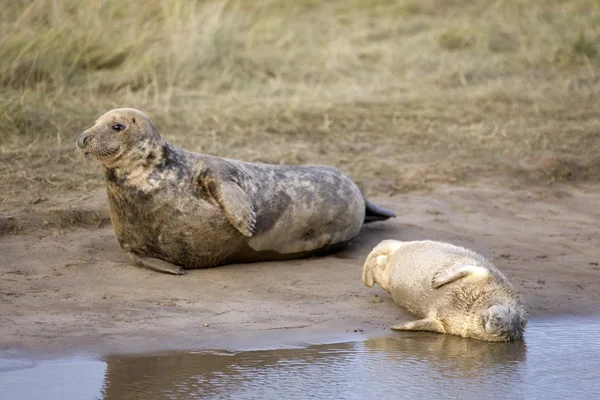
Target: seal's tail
(376,213)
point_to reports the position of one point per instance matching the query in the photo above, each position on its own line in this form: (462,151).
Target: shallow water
(558,359)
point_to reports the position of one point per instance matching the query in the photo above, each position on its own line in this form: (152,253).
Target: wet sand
(68,288)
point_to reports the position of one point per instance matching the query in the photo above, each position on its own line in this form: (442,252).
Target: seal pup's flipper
(376,213)
(156,265)
(375,266)
(426,324)
(452,274)
(376,260)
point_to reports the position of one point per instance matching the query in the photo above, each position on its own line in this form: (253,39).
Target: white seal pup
(172,209)
(450,289)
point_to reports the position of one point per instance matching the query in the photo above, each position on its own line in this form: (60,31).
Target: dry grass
(397,94)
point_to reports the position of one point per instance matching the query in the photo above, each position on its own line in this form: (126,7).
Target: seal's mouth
(85,152)
(101,155)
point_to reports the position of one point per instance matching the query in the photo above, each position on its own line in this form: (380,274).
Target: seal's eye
(117,127)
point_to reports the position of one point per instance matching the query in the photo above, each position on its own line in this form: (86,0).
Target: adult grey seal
(172,209)
(450,288)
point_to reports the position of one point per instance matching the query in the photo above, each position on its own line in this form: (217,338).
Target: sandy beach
(66,286)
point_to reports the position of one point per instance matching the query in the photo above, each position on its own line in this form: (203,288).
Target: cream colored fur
(450,289)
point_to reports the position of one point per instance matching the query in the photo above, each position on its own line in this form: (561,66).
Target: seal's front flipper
(452,274)
(156,264)
(429,325)
(236,206)
(219,182)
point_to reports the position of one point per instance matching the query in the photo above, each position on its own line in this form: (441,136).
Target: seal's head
(118,135)
(504,322)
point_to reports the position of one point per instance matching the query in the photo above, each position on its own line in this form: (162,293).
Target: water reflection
(445,366)
(558,359)
(396,365)
(214,375)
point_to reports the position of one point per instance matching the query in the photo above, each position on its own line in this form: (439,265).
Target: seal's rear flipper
(156,265)
(429,325)
(376,264)
(374,260)
(376,213)
(457,272)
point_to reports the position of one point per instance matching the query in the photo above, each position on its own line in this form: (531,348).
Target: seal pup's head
(120,136)
(504,320)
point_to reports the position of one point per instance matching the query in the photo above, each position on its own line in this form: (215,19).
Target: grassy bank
(397,93)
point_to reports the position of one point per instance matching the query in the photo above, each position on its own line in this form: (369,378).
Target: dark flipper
(376,213)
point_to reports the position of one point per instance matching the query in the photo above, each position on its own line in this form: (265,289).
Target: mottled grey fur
(451,289)
(174,209)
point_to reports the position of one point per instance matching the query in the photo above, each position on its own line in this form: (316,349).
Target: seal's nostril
(82,141)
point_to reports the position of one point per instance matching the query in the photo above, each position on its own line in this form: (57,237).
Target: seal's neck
(134,167)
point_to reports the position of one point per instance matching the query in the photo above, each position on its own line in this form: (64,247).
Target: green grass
(397,93)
